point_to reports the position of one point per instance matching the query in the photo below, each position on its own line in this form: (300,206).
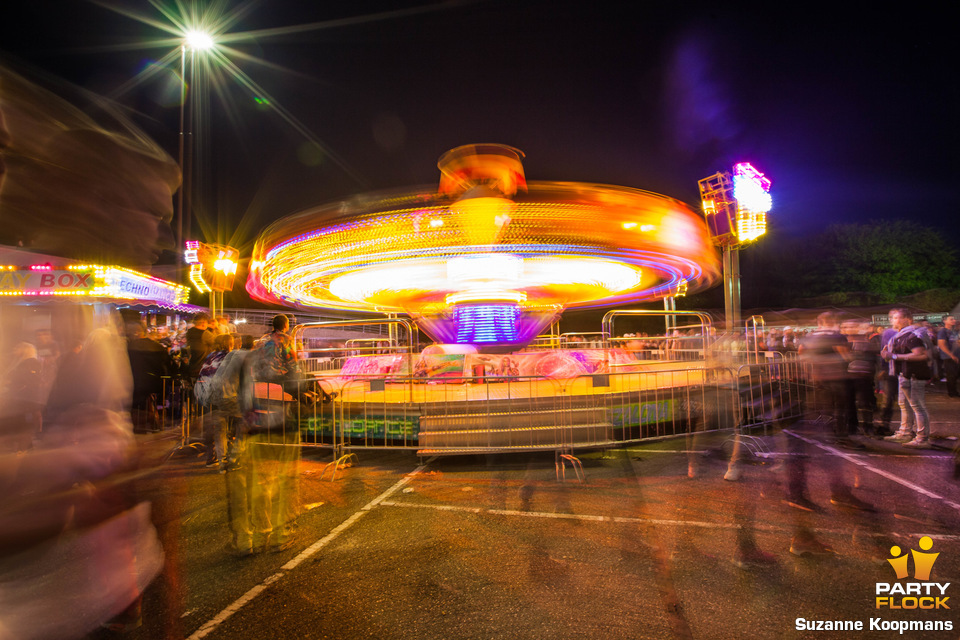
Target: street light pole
(731,286)
(180,161)
(192,42)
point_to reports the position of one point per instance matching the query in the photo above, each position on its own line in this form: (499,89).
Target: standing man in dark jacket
(909,354)
(949,351)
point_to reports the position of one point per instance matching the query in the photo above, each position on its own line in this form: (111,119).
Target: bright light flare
(198,40)
(212,266)
(751,189)
(226,266)
(752,193)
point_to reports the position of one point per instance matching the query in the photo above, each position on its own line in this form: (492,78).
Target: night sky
(851,114)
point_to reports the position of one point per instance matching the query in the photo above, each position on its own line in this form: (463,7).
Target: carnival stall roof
(31,278)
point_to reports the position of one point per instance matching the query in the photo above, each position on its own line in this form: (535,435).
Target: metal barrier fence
(473,414)
(172,408)
(772,392)
(520,413)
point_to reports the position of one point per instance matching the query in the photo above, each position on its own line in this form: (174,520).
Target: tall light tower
(735,207)
(193,41)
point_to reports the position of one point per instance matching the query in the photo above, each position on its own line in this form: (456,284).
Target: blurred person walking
(274,437)
(910,355)
(21,390)
(276,360)
(199,340)
(68,372)
(48,353)
(228,323)
(245,497)
(930,333)
(789,339)
(199,343)
(209,395)
(888,384)
(79,546)
(150,364)
(948,350)
(827,351)
(865,354)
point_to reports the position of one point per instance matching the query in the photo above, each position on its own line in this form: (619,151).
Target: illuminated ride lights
(486,323)
(489,258)
(95,281)
(213,267)
(736,206)
(752,193)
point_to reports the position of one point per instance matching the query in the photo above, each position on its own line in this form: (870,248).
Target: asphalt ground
(500,547)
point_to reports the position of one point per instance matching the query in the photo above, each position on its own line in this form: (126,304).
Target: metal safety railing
(172,407)
(673,386)
(521,413)
(772,392)
(685,392)
(704,327)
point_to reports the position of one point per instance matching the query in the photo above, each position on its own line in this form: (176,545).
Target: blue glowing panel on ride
(487,323)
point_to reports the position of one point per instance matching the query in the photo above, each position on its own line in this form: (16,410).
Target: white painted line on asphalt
(777,454)
(547,514)
(564,516)
(880,472)
(324,541)
(656,521)
(666,451)
(905,455)
(237,604)
(240,602)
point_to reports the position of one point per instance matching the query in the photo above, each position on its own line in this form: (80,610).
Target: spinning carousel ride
(488,258)
(482,265)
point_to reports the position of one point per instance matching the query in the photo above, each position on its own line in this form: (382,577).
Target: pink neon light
(746,170)
(41,267)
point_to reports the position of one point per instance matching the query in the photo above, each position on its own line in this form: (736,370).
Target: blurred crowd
(88,516)
(854,363)
(88,519)
(849,364)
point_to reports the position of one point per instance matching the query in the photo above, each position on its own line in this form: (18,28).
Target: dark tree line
(875,263)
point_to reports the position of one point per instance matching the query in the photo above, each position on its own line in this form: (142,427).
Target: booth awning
(28,277)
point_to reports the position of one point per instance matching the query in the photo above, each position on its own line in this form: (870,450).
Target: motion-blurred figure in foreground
(69,178)
(236,385)
(274,439)
(826,350)
(78,547)
(150,364)
(864,356)
(20,406)
(209,395)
